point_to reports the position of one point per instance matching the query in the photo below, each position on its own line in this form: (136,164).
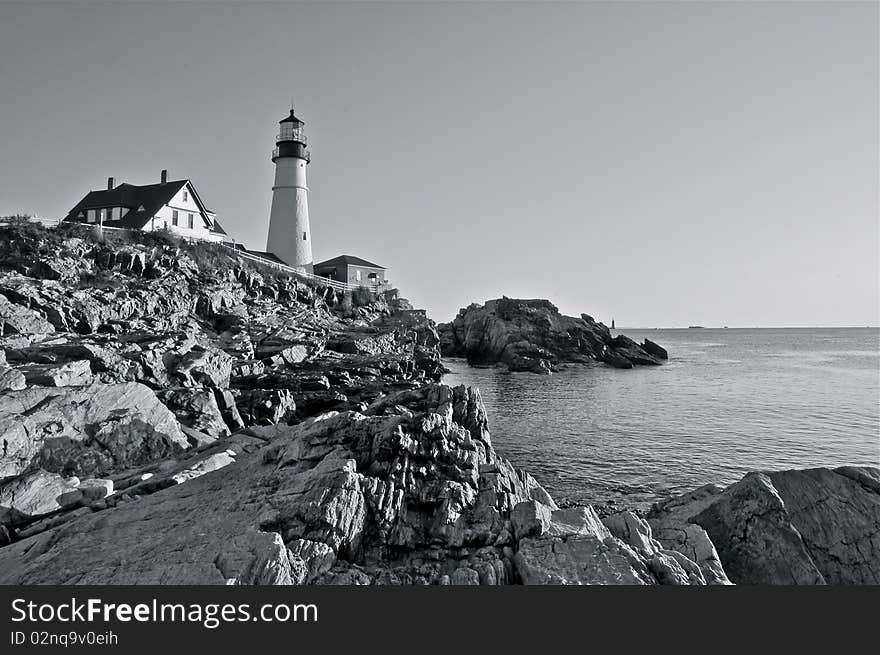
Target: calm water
(727,402)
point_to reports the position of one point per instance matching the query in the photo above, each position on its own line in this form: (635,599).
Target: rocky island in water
(531,335)
(171,414)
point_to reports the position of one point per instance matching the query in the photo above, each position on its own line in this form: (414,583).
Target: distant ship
(695,327)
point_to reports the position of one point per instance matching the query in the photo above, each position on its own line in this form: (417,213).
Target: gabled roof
(217,228)
(142,202)
(349,260)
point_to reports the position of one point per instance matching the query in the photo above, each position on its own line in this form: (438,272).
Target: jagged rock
(337,490)
(633,531)
(248,368)
(531,335)
(667,566)
(654,349)
(197,409)
(625,347)
(265,406)
(401,486)
(583,559)
(204,366)
(70,374)
(615,359)
(573,546)
(692,541)
(228,410)
(85,430)
(789,527)
(530,518)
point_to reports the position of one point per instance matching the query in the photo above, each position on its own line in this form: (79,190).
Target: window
(174,217)
(189,221)
(358,275)
(185,196)
(91,216)
(305,236)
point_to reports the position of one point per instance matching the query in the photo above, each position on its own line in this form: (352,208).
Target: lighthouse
(290,238)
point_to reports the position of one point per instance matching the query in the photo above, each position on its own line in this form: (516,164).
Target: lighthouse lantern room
(290,238)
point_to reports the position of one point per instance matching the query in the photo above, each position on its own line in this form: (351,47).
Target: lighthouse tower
(290,238)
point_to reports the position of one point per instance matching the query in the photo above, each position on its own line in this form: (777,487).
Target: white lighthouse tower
(290,238)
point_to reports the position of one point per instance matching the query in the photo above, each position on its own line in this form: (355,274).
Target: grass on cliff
(22,240)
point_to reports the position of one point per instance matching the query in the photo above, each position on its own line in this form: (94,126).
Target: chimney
(164,176)
(110,181)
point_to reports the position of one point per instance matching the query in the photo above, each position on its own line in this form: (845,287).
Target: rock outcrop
(814,526)
(531,335)
(408,491)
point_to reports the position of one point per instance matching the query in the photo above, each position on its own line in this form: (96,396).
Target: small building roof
(349,260)
(266,255)
(142,202)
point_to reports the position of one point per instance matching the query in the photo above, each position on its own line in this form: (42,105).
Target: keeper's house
(174,205)
(354,271)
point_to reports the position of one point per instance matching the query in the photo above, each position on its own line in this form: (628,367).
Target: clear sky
(663,164)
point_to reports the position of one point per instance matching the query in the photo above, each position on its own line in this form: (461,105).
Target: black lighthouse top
(291,119)
(291,140)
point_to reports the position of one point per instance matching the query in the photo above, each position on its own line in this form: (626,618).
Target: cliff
(531,335)
(170,414)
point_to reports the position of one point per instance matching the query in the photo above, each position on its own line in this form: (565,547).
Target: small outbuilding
(353,270)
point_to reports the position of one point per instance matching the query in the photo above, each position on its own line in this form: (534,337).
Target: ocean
(728,401)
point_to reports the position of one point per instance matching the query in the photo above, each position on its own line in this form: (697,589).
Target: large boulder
(33,494)
(814,526)
(85,430)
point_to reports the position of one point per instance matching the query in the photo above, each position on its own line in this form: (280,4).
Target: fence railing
(325,281)
(292,136)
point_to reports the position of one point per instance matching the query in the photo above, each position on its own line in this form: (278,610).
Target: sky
(661,164)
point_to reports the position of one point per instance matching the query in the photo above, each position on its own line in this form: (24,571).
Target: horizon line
(752,327)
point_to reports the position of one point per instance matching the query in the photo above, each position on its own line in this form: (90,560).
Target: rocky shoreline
(173,415)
